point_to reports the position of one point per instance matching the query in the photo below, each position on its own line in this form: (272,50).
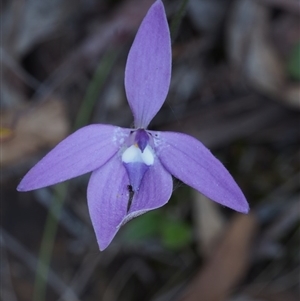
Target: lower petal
(108,198)
(191,162)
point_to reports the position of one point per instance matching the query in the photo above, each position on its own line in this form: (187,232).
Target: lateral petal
(108,197)
(155,191)
(85,150)
(191,162)
(148,68)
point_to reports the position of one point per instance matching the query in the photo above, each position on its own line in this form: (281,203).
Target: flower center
(134,154)
(137,158)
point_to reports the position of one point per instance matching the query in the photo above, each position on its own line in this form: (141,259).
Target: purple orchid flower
(133,168)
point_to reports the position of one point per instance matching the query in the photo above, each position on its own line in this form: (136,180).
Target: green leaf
(175,234)
(143,227)
(294,63)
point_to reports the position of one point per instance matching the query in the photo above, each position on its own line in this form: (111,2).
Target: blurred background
(235,86)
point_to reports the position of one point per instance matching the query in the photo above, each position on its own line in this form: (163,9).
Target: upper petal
(83,151)
(155,191)
(148,68)
(191,162)
(108,197)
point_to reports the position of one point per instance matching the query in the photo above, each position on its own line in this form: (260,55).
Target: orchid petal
(108,197)
(148,68)
(154,192)
(85,150)
(191,162)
